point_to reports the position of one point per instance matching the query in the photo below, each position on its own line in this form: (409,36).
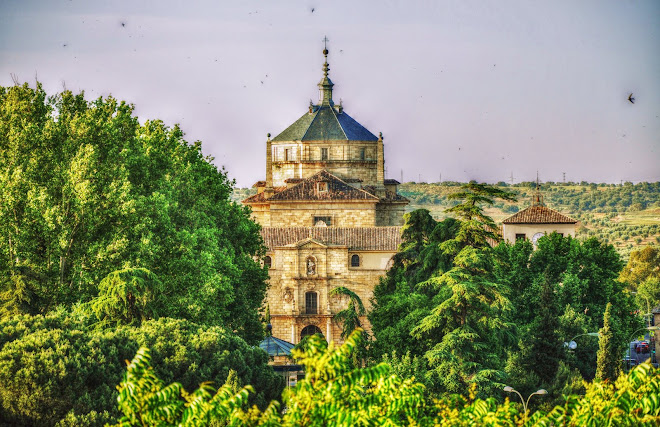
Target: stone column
(328,329)
(380,173)
(269,168)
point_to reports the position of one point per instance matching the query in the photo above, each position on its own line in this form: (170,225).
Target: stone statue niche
(311,266)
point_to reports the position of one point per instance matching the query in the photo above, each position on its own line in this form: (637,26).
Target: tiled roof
(323,124)
(356,238)
(259,184)
(539,215)
(261,197)
(392,182)
(336,190)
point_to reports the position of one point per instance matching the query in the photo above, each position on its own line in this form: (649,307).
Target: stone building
(537,221)
(329,217)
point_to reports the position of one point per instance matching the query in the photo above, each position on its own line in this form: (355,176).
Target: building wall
(509,231)
(355,214)
(289,282)
(389,214)
(344,160)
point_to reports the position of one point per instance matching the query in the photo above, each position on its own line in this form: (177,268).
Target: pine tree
(608,360)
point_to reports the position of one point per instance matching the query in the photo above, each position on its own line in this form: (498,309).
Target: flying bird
(631,99)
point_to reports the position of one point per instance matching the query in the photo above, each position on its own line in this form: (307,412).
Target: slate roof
(276,347)
(336,190)
(356,238)
(324,123)
(539,215)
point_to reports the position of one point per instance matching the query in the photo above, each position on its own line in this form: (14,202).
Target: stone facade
(329,218)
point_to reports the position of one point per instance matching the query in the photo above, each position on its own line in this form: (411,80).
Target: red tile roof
(356,238)
(261,197)
(539,215)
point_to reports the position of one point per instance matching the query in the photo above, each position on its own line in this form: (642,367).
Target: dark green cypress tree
(545,340)
(608,361)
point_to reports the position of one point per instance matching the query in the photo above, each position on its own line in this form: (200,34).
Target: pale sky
(460,89)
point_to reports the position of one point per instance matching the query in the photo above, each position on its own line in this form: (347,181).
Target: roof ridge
(334,114)
(316,115)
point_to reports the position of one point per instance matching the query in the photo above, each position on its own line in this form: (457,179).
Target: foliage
(86,190)
(145,400)
(336,393)
(56,368)
(440,292)
(477,228)
(579,279)
(608,358)
(127,296)
(631,400)
(350,316)
(466,325)
(333,392)
(642,265)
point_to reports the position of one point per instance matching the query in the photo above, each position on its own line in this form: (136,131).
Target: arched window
(355,260)
(311,303)
(310,330)
(268,261)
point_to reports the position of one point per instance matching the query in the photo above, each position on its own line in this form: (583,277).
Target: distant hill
(626,215)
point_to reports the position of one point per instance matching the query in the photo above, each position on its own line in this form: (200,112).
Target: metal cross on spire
(325,42)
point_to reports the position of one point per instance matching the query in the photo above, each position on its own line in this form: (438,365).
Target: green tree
(55,367)
(145,400)
(642,265)
(350,316)
(608,356)
(477,228)
(86,190)
(127,296)
(466,324)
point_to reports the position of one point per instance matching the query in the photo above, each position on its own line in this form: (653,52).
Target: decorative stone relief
(287,295)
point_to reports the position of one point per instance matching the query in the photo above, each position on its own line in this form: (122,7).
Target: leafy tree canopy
(88,194)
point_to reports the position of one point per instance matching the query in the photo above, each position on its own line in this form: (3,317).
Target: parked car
(643,347)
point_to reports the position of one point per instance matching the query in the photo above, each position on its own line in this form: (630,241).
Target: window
(268,261)
(322,221)
(287,154)
(362,153)
(310,330)
(311,303)
(520,236)
(355,260)
(322,187)
(324,154)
